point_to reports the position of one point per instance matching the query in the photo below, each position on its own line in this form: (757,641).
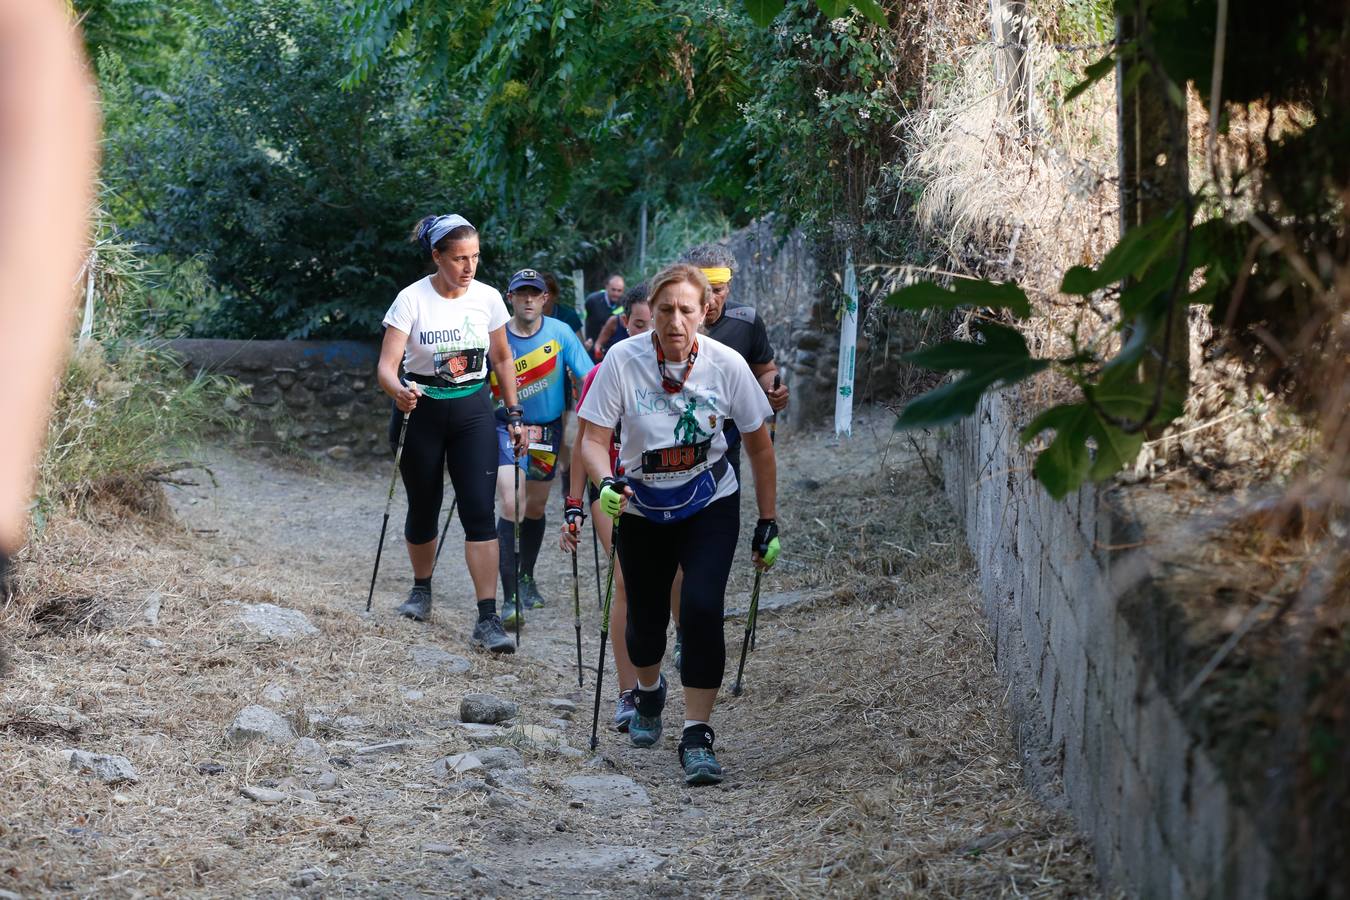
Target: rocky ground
(203,707)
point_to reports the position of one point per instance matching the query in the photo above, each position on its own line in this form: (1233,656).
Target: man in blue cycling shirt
(546,352)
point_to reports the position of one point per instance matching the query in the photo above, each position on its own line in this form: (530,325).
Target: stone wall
(783,277)
(313,396)
(1070,620)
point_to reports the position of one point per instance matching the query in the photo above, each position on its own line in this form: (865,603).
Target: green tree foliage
(146,34)
(1261,246)
(297,198)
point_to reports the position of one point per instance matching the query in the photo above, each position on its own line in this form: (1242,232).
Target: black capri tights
(649,552)
(461,435)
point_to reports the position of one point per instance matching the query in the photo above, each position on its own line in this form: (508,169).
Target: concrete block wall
(320,397)
(1060,591)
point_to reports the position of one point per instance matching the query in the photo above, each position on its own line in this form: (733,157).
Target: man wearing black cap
(546,350)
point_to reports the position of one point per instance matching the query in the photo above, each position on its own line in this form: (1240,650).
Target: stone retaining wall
(1069,619)
(314,396)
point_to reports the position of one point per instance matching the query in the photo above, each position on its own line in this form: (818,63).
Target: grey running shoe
(644,729)
(624,710)
(697,757)
(529,592)
(418,605)
(490,635)
(510,613)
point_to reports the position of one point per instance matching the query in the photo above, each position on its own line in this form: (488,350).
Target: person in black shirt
(739,327)
(600,305)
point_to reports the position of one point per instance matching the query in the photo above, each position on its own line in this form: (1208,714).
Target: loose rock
(496,758)
(256,723)
(308,748)
(486,709)
(325,781)
(263,795)
(272,621)
(457,764)
(439,849)
(150,611)
(608,791)
(436,658)
(386,747)
(106,768)
(562,705)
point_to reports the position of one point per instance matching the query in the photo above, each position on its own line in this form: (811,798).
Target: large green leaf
(763,12)
(963,292)
(872,10)
(832,9)
(1092,74)
(1062,466)
(1002,358)
(1139,247)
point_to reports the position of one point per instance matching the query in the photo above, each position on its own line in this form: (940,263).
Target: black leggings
(649,552)
(461,435)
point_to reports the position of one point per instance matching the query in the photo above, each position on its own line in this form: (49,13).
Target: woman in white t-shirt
(447,330)
(673,391)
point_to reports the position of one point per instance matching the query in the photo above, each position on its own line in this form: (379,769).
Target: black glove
(515,414)
(574,514)
(765,541)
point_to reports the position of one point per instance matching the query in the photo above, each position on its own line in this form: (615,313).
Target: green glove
(765,541)
(611,497)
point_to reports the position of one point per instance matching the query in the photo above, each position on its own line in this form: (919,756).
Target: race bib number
(457,366)
(675,463)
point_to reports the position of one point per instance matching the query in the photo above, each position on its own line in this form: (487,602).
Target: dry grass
(869,754)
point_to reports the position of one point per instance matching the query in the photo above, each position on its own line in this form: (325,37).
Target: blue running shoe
(697,757)
(644,729)
(624,710)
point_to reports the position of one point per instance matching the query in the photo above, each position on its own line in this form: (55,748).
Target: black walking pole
(444,530)
(576,610)
(773,427)
(389,502)
(515,543)
(604,633)
(749,630)
(595,550)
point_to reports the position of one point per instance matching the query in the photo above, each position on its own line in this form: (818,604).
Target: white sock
(651,687)
(690,723)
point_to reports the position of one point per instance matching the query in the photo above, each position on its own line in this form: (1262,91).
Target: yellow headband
(717,276)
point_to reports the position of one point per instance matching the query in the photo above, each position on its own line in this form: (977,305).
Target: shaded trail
(867,754)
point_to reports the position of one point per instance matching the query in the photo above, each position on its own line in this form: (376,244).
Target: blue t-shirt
(542,361)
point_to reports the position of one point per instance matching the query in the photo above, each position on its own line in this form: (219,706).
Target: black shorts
(458,436)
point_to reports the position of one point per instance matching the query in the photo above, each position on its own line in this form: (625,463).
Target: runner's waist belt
(439,390)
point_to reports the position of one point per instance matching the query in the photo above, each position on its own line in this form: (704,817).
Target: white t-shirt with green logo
(446,337)
(670,439)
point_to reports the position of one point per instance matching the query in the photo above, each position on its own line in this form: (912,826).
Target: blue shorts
(540,462)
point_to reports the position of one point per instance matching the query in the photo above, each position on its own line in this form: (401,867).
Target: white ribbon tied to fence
(848,350)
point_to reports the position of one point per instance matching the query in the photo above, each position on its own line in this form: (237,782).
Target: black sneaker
(490,635)
(644,729)
(697,757)
(529,592)
(418,605)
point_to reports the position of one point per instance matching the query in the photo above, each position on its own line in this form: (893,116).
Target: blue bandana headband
(437,228)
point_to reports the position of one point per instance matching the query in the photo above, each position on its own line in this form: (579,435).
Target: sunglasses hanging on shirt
(668,382)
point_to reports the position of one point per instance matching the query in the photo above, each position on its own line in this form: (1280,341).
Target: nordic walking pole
(576,610)
(445,529)
(595,550)
(515,543)
(604,633)
(773,427)
(749,630)
(389,502)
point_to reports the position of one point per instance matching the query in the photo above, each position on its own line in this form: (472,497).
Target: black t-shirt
(620,333)
(565,313)
(598,312)
(741,329)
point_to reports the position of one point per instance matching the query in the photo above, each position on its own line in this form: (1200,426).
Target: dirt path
(869,754)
